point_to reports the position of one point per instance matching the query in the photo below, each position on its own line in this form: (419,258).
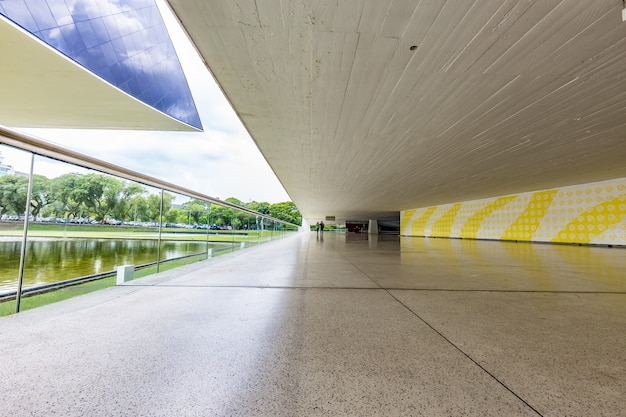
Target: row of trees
(101,197)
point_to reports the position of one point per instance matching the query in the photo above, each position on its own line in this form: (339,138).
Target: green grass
(61,294)
(34,301)
(72,291)
(121,232)
(166,266)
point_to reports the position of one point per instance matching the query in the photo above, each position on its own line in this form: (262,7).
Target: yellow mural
(594,221)
(443,225)
(418,226)
(471,227)
(588,214)
(528,222)
(406,218)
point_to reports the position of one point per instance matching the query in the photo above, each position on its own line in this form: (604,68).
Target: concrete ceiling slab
(364,108)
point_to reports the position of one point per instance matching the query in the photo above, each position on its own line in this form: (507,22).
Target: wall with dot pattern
(592,213)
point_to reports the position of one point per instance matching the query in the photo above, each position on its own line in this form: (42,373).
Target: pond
(53,260)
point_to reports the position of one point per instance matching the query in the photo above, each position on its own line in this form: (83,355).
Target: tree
(154,205)
(233,200)
(111,203)
(13,190)
(99,193)
(85,195)
(286,211)
(140,209)
(62,188)
(42,194)
(175,215)
(122,203)
(262,207)
(196,210)
(220,215)
(238,218)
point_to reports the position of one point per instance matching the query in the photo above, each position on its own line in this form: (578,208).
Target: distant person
(317,227)
(322,226)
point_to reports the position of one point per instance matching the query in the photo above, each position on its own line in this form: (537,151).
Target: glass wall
(82,224)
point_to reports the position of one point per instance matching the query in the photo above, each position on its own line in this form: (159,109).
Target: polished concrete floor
(336,326)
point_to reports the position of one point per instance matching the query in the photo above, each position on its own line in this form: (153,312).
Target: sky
(221,162)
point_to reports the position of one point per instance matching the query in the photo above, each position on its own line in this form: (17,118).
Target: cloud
(213,162)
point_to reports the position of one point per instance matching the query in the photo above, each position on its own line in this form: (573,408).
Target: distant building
(5,169)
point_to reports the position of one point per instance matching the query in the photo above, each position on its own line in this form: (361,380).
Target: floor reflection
(547,266)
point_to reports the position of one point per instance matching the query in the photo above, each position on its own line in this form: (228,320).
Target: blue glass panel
(75,44)
(96,57)
(108,53)
(60,12)
(146,95)
(105,8)
(100,31)
(122,22)
(54,37)
(106,73)
(134,87)
(118,74)
(78,11)
(42,14)
(86,33)
(154,17)
(112,28)
(19,13)
(123,41)
(120,48)
(129,47)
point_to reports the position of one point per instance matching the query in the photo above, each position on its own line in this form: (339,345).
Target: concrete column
(125,273)
(373,227)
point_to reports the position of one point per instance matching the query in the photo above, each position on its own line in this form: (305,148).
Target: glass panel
(269,229)
(85,224)
(273,230)
(277,230)
(181,240)
(240,230)
(228,232)
(249,233)
(13,190)
(219,238)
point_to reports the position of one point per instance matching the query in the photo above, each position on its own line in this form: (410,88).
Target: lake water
(53,260)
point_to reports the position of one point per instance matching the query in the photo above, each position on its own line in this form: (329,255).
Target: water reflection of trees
(57,260)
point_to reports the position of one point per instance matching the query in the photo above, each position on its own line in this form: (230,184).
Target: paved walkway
(339,326)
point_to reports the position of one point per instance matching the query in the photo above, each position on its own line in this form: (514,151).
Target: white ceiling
(367,107)
(42,88)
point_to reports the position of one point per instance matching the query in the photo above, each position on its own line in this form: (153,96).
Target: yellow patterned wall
(588,213)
